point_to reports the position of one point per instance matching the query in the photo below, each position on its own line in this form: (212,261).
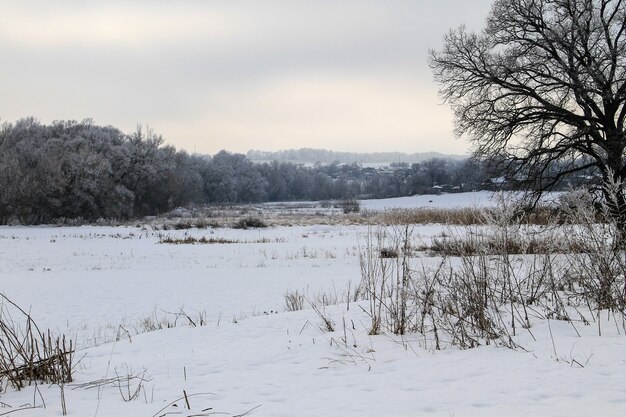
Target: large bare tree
(542,88)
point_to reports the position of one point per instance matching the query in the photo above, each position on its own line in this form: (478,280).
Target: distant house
(436,189)
(496,183)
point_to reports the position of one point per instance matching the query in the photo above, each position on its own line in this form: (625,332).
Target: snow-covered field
(476,199)
(457,200)
(101,285)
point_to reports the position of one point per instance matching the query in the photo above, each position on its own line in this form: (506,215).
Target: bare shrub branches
(385,278)
(458,302)
(599,273)
(294,300)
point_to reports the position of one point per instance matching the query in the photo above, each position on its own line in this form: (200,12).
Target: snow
(475,199)
(89,281)
(453,200)
(123,275)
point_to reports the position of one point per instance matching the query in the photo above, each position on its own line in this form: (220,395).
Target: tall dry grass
(482,291)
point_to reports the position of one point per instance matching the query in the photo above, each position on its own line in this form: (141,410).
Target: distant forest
(323,155)
(79,170)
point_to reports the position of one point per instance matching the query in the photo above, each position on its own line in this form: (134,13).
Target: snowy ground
(476,199)
(89,281)
(456,200)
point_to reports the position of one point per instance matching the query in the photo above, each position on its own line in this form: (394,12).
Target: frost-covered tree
(542,88)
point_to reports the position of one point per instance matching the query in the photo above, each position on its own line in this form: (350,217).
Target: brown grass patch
(190,240)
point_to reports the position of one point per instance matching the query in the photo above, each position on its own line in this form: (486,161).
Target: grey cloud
(173,68)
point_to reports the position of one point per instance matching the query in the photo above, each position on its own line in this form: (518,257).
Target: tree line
(71,170)
(325,155)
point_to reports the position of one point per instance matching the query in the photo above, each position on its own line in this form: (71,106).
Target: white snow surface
(96,283)
(452,200)
(476,199)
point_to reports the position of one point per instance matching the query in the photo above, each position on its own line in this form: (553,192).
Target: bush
(386,279)
(388,253)
(326,204)
(600,270)
(349,206)
(294,300)
(249,222)
(182,225)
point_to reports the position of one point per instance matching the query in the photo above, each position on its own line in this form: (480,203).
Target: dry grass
(245,217)
(466,216)
(461,216)
(294,300)
(472,244)
(482,292)
(29,355)
(249,222)
(190,240)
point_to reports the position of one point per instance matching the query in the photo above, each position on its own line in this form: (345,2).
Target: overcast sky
(348,75)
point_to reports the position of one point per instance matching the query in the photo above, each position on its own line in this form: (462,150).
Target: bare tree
(543,86)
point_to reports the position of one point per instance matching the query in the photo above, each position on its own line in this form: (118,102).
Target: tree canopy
(543,85)
(79,170)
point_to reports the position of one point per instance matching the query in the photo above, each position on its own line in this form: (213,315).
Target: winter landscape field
(381,208)
(164,324)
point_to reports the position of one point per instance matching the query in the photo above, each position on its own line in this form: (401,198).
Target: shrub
(349,206)
(326,204)
(388,253)
(294,300)
(249,222)
(600,269)
(182,225)
(386,278)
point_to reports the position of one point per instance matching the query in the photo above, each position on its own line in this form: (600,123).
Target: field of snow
(101,285)
(456,200)
(477,199)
